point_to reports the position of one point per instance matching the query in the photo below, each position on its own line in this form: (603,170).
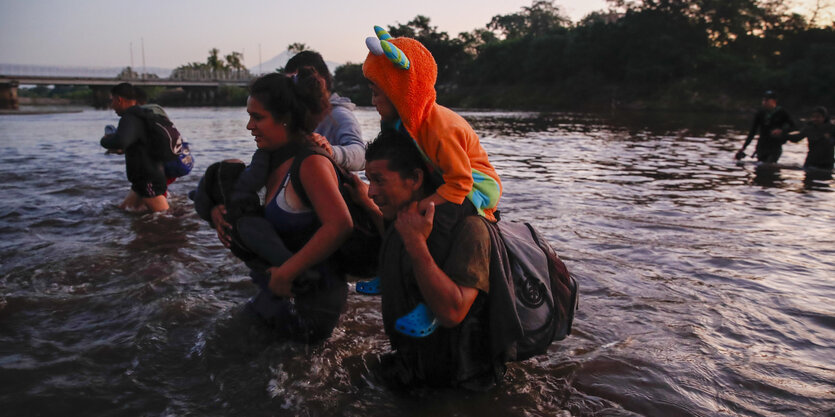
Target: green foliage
(36,91)
(229,95)
(542,18)
(349,82)
(297,47)
(234,61)
(214,67)
(706,54)
(78,93)
(449,53)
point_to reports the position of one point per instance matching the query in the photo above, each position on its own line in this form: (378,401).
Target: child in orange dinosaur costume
(404,72)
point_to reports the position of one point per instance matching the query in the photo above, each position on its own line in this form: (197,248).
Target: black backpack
(358,255)
(532,295)
(165,142)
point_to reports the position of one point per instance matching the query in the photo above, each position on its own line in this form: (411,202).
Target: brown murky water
(707,287)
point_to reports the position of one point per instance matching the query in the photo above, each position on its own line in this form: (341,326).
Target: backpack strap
(505,324)
(295,170)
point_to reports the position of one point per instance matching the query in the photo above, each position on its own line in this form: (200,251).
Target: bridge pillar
(201,95)
(101,96)
(8,96)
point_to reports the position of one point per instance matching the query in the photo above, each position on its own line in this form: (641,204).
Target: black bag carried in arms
(358,255)
(532,295)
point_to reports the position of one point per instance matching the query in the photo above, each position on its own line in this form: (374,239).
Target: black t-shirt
(766,121)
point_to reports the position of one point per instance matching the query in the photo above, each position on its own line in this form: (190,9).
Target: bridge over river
(199,86)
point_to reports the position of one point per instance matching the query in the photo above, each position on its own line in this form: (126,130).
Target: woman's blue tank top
(288,224)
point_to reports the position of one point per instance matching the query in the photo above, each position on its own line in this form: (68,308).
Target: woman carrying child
(283,112)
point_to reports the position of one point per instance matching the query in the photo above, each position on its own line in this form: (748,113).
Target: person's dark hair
(124,90)
(302,97)
(401,153)
(311,59)
(770,94)
(823,112)
(141,97)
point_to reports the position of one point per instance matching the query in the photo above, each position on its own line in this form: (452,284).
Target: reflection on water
(706,286)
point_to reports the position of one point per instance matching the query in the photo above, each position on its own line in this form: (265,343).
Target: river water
(706,287)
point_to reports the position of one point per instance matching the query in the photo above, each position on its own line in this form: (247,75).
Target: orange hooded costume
(406,72)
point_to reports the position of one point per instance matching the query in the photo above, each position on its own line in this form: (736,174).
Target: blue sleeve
(342,129)
(254,177)
(129,131)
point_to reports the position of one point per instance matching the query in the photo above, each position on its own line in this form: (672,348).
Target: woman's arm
(321,185)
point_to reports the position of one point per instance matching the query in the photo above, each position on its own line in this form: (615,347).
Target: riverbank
(568,98)
(22,112)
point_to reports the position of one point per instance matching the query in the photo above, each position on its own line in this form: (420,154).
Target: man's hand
(413,225)
(222,227)
(322,142)
(776,132)
(280,285)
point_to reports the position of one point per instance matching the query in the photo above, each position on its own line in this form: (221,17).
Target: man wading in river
(145,173)
(772,122)
(448,272)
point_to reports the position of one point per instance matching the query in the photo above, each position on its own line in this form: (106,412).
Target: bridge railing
(126,74)
(55,71)
(210,75)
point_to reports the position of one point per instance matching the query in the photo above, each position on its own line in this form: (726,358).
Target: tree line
(682,54)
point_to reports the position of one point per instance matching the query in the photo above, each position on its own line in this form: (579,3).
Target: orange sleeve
(446,147)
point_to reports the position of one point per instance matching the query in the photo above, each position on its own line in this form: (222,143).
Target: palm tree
(214,62)
(297,47)
(234,61)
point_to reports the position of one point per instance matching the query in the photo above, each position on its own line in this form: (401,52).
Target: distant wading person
(772,122)
(145,173)
(821,136)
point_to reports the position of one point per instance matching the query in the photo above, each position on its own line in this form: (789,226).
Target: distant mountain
(280,60)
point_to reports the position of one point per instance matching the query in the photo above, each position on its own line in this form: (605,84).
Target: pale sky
(102,33)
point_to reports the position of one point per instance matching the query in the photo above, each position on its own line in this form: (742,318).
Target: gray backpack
(532,295)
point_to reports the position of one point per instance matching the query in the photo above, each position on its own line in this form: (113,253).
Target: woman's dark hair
(302,97)
(311,59)
(401,153)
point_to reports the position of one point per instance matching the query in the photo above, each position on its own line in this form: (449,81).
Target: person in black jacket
(772,122)
(145,173)
(821,136)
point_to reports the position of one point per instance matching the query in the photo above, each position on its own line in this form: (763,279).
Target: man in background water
(772,122)
(145,173)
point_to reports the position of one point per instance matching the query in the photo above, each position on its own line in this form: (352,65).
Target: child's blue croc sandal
(420,322)
(371,287)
